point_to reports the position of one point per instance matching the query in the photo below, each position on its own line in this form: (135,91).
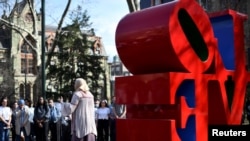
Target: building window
(25,48)
(27,66)
(27,61)
(24,91)
(117,69)
(21,92)
(156,2)
(126,73)
(23,66)
(27,91)
(30,66)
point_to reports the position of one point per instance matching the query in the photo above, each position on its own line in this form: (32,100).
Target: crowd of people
(42,122)
(80,119)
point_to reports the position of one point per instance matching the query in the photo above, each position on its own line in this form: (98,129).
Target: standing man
(28,103)
(58,105)
(55,121)
(5,117)
(118,111)
(13,118)
(22,121)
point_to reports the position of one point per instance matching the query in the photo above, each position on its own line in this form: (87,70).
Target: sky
(104,15)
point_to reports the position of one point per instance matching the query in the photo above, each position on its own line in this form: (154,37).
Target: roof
(18,8)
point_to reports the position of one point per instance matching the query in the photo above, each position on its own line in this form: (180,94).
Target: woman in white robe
(83,127)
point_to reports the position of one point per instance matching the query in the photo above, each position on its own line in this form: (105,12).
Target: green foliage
(80,18)
(75,57)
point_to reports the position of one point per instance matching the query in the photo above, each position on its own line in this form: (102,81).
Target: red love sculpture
(183,72)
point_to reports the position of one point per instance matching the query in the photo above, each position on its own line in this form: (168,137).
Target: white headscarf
(81,84)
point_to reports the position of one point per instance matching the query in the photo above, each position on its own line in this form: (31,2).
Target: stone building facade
(20,47)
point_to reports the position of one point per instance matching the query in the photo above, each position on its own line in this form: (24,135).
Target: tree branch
(16,27)
(58,31)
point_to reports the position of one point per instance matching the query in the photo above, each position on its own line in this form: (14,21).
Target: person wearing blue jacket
(55,121)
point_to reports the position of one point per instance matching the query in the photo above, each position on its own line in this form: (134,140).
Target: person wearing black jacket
(13,118)
(41,120)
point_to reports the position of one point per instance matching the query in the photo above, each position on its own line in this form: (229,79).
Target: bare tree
(58,32)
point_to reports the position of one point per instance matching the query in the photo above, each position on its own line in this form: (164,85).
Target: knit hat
(21,102)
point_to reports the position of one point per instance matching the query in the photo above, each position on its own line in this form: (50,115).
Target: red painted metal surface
(180,82)
(152,40)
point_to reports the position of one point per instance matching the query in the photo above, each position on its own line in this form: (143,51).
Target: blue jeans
(4,133)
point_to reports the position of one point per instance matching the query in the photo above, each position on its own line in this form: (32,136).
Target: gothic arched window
(28,60)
